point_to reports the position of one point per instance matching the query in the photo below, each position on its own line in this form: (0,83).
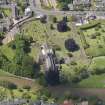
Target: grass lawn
(7,51)
(3,73)
(98,63)
(7,12)
(42,33)
(96,45)
(95,81)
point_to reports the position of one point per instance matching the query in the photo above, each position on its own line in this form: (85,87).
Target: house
(28,12)
(50,3)
(100,4)
(4,2)
(71,7)
(80,20)
(81,4)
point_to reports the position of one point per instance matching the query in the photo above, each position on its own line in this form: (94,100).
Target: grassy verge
(95,81)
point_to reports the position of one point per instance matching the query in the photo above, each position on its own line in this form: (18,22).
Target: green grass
(96,45)
(7,12)
(98,62)
(7,51)
(42,33)
(95,81)
(3,73)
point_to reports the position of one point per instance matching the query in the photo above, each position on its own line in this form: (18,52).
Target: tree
(43,19)
(54,19)
(22,63)
(51,27)
(63,6)
(65,18)
(71,45)
(62,26)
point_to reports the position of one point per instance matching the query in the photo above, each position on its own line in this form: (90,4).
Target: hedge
(90,25)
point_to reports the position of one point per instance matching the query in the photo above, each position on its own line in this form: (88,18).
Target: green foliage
(22,63)
(44,94)
(7,84)
(90,25)
(63,4)
(27,87)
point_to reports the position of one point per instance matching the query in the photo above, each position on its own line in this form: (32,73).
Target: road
(37,9)
(35,5)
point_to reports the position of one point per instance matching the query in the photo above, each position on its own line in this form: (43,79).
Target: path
(10,35)
(82,92)
(77,38)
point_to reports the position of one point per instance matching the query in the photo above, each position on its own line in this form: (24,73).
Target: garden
(94,38)
(50,32)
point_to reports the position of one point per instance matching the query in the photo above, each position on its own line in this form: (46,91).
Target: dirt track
(20,82)
(60,90)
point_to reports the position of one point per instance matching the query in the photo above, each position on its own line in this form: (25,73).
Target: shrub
(90,25)
(20,90)
(54,19)
(93,36)
(27,87)
(98,71)
(51,27)
(8,84)
(43,19)
(71,45)
(70,55)
(62,26)
(73,63)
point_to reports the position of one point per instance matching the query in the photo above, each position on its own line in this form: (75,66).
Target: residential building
(4,2)
(100,4)
(28,11)
(78,2)
(81,4)
(50,3)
